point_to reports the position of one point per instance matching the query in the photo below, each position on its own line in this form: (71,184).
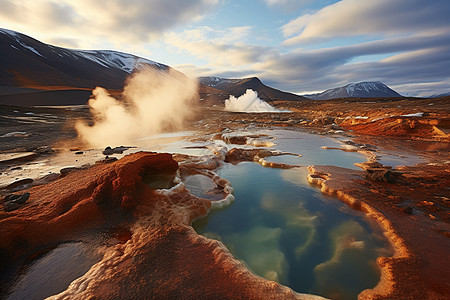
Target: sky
(300,46)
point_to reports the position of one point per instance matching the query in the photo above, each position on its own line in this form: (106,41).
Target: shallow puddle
(52,273)
(159,180)
(203,187)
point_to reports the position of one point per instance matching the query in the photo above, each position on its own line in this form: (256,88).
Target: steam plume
(153,101)
(248,102)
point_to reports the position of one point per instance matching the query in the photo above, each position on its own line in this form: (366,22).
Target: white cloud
(90,23)
(220,47)
(349,18)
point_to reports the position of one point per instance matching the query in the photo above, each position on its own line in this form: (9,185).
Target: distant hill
(28,66)
(237,87)
(371,89)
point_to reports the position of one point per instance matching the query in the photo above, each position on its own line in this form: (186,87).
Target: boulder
(380,174)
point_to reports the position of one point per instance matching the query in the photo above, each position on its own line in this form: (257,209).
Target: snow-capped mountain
(237,87)
(371,89)
(439,95)
(28,65)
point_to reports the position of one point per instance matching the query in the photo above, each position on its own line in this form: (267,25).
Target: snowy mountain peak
(115,59)
(365,89)
(105,58)
(366,86)
(213,81)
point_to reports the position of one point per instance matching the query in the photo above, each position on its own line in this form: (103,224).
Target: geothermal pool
(285,230)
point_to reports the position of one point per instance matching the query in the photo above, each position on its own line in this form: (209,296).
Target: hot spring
(285,230)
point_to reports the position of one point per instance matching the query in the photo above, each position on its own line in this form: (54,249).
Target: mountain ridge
(363,89)
(237,87)
(30,67)
(36,73)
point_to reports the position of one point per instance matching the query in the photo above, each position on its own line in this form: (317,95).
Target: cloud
(349,18)
(287,5)
(93,22)
(413,59)
(193,71)
(220,47)
(408,59)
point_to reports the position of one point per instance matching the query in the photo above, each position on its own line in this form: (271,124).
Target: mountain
(35,73)
(237,87)
(32,72)
(440,95)
(370,89)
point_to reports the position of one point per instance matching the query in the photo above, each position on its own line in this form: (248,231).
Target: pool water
(286,230)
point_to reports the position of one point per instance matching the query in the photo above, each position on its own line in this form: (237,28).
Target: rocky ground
(410,118)
(411,203)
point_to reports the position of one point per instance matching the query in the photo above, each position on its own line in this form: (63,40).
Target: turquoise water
(285,230)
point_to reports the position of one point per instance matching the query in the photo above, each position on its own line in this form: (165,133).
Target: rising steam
(153,101)
(248,102)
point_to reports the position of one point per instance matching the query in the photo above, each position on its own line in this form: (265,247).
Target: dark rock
(108,151)
(107,160)
(117,150)
(235,139)
(19,184)
(65,171)
(380,174)
(16,168)
(79,152)
(10,206)
(408,210)
(46,179)
(44,150)
(14,201)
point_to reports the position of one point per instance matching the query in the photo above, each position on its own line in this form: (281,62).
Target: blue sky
(299,46)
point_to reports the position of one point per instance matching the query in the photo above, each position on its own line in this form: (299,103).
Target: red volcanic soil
(160,257)
(379,116)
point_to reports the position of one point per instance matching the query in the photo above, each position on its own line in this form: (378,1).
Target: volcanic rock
(380,174)
(14,201)
(65,171)
(19,184)
(117,150)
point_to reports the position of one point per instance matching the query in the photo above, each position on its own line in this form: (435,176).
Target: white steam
(153,101)
(248,102)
